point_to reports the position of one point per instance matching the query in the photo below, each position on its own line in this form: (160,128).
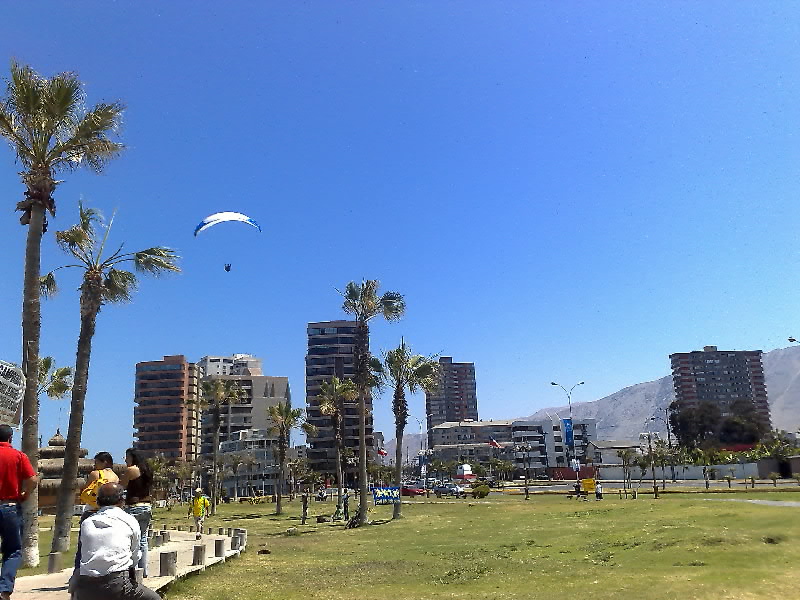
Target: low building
(549,453)
(608,452)
(471,441)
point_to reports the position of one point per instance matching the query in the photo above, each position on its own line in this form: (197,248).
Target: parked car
(411,490)
(449,489)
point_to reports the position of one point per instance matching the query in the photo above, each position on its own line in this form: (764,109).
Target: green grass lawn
(45,541)
(504,547)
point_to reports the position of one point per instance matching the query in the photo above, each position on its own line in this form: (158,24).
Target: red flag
(493,443)
(382,452)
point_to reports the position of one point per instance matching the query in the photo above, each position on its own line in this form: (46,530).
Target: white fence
(738,471)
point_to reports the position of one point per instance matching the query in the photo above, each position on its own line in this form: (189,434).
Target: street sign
(12,389)
(576,464)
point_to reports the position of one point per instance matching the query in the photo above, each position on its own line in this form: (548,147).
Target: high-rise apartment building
(238,364)
(259,392)
(721,377)
(455,398)
(165,415)
(331,352)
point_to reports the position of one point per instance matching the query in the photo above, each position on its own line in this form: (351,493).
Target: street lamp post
(568,392)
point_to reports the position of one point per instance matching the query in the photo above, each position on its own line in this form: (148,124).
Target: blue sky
(563,191)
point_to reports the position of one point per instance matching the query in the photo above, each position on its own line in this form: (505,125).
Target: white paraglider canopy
(223,217)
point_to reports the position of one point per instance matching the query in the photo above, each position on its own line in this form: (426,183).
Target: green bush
(480,491)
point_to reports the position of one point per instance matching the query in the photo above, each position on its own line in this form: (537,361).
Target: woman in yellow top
(103,473)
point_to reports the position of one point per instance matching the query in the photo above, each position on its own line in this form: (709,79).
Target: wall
(740,471)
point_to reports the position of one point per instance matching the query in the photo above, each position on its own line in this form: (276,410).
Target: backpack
(89,493)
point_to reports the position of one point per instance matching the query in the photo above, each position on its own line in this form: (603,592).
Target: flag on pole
(382,452)
(493,443)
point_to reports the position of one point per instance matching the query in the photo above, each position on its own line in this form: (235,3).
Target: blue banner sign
(568,439)
(388,495)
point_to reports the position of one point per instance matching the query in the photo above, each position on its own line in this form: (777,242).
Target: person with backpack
(199,509)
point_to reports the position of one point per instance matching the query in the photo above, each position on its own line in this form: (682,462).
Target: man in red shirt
(17,481)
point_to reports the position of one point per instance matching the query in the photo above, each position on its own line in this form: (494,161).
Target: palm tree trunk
(31,329)
(282,443)
(65,500)
(339,482)
(398,467)
(362,377)
(215,461)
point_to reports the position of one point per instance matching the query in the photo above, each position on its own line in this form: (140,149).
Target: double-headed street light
(568,392)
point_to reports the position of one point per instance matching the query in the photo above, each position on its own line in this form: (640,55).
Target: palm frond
(309,429)
(156,261)
(89,144)
(47,285)
(392,306)
(45,364)
(9,129)
(76,241)
(89,218)
(25,93)
(119,286)
(62,98)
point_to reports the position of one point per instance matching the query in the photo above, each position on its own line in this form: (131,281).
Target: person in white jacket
(109,550)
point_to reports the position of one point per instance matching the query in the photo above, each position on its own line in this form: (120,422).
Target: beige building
(165,418)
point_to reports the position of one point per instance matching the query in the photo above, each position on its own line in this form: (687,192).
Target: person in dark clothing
(138,481)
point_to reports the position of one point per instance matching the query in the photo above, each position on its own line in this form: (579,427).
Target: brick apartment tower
(720,377)
(164,418)
(455,399)
(331,352)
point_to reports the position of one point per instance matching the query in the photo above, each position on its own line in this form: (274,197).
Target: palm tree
(103,282)
(334,395)
(49,132)
(214,394)
(161,473)
(248,461)
(403,371)
(363,301)
(54,382)
(284,419)
(183,471)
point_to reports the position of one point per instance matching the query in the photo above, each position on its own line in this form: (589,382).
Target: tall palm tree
(214,394)
(284,419)
(332,398)
(50,132)
(364,303)
(402,371)
(103,282)
(54,382)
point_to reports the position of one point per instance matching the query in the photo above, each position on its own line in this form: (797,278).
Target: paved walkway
(767,502)
(54,586)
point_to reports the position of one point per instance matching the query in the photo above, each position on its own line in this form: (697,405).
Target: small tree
(774,477)
(284,419)
(214,394)
(333,397)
